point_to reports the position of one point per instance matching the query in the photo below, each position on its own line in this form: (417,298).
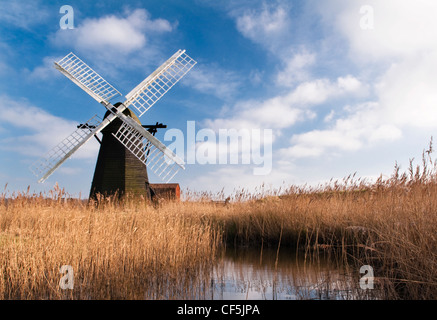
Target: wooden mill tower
(118,171)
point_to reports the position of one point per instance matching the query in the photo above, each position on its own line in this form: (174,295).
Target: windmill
(121,129)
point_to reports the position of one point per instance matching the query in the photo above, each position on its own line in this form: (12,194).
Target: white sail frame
(86,78)
(154,154)
(149,150)
(151,89)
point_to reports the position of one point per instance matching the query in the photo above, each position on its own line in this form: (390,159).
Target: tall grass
(132,250)
(389,224)
(117,251)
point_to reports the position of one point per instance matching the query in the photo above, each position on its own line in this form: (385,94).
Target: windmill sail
(149,150)
(151,89)
(44,167)
(132,135)
(86,78)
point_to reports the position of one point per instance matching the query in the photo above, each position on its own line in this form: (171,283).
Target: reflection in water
(249,274)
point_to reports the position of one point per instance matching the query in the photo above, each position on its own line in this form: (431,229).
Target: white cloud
(271,27)
(254,114)
(44,71)
(211,79)
(407,92)
(399,53)
(401,27)
(363,127)
(400,50)
(320,90)
(295,68)
(385,132)
(34,131)
(264,26)
(283,111)
(114,45)
(329,116)
(300,151)
(23,14)
(122,35)
(349,84)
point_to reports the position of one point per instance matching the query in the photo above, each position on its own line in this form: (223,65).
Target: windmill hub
(116,123)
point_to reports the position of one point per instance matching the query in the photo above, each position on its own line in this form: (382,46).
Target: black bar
(152,126)
(85,126)
(222,309)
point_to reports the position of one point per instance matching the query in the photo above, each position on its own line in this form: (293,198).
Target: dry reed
(117,251)
(389,224)
(131,250)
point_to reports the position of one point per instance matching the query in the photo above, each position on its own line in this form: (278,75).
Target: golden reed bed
(134,250)
(116,251)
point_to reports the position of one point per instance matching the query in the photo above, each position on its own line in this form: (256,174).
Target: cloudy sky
(344,86)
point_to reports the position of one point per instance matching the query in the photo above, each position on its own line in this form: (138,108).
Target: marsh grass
(132,250)
(117,251)
(389,224)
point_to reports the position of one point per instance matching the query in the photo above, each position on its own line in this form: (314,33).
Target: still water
(245,274)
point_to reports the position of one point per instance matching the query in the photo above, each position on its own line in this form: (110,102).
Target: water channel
(247,274)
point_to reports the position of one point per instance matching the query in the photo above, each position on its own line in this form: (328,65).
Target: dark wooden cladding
(118,171)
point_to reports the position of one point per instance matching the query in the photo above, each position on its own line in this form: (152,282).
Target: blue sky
(345,86)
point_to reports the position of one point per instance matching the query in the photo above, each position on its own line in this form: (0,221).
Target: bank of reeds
(389,224)
(116,251)
(134,250)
